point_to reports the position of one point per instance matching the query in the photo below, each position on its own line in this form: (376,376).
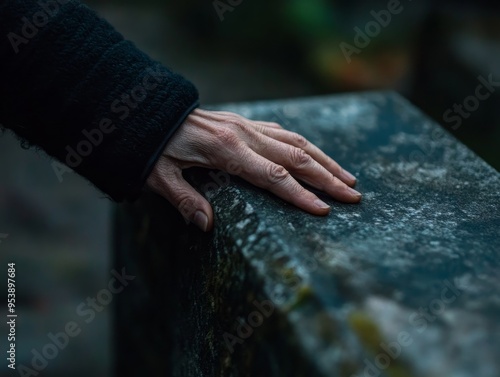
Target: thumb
(169,183)
(192,206)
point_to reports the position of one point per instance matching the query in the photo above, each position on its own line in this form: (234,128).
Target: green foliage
(313,18)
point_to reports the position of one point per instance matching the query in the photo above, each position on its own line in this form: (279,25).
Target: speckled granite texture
(406,283)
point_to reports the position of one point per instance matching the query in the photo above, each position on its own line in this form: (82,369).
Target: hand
(263,153)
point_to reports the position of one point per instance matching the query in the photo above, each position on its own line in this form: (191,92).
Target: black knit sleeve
(70,84)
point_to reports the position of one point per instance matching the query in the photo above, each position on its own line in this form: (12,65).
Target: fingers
(275,178)
(302,166)
(299,141)
(168,181)
(263,153)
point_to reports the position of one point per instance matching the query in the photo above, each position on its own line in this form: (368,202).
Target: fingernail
(354,192)
(349,176)
(321,204)
(201,220)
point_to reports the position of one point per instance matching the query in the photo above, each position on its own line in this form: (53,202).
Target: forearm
(71,85)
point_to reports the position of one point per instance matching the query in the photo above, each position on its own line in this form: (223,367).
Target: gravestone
(406,283)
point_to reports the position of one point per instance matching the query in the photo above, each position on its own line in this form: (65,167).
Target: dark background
(59,232)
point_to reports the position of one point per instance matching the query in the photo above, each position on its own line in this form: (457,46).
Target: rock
(404,284)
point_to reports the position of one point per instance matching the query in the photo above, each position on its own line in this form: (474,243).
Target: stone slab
(406,283)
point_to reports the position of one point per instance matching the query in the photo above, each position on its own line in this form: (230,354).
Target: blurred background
(437,54)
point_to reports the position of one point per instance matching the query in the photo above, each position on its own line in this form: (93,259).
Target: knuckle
(232,117)
(234,167)
(299,140)
(276,174)
(241,125)
(259,128)
(227,137)
(186,205)
(299,157)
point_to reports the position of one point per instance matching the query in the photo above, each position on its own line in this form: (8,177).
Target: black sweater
(70,84)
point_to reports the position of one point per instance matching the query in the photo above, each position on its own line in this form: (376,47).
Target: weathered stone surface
(406,283)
